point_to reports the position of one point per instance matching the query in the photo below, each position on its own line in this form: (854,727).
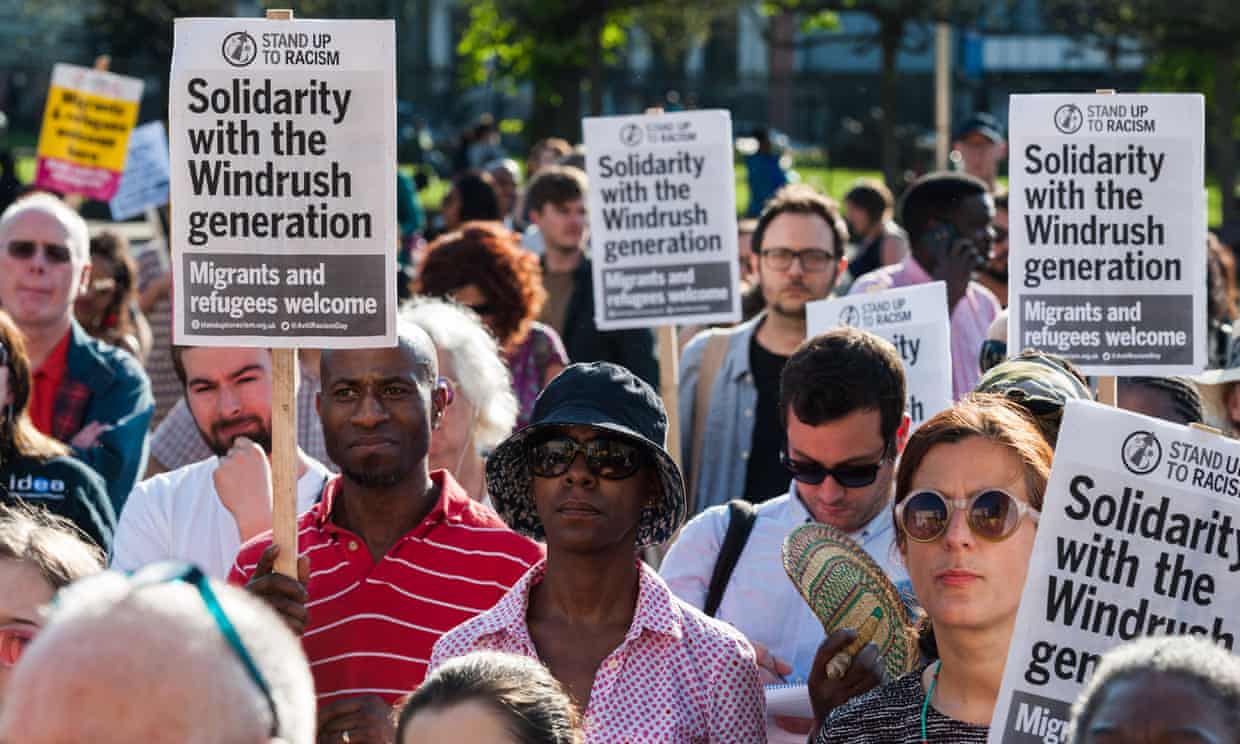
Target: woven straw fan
(846,589)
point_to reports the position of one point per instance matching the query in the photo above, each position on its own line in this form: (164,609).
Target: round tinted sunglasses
(613,459)
(993,514)
(848,476)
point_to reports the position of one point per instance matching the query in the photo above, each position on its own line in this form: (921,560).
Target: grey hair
(482,375)
(1210,667)
(180,626)
(79,236)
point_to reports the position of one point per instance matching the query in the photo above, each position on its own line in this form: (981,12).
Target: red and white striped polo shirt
(372,625)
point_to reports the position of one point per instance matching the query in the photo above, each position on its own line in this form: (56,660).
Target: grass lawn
(832,181)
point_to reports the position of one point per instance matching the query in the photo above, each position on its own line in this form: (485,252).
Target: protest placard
(144,184)
(915,320)
(1107,231)
(85,133)
(1139,535)
(662,206)
(283,138)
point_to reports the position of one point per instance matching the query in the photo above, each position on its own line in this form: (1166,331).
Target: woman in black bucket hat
(590,476)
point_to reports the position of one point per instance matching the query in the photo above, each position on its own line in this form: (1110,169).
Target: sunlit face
(853,440)
(94,302)
(23,590)
(787,291)
(228,391)
(470,722)
(1157,708)
(980,155)
(36,291)
(582,512)
(998,262)
(963,581)
(563,226)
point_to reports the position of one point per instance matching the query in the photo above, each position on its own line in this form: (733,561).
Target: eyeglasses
(813,260)
(167,572)
(848,476)
(13,641)
(613,459)
(993,514)
(53,252)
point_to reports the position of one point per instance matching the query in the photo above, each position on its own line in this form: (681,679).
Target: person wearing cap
(393,554)
(591,476)
(979,147)
(948,219)
(1039,382)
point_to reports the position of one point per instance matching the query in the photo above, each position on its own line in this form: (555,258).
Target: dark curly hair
(488,256)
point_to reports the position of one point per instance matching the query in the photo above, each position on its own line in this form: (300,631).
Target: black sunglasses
(169,571)
(483,309)
(606,457)
(849,476)
(54,252)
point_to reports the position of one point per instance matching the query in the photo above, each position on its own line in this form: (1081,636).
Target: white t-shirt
(179,516)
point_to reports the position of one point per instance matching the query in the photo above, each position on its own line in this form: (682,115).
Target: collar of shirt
(452,503)
(655,612)
(880,525)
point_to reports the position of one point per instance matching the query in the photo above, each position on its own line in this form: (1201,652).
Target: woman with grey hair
(482,409)
(1161,690)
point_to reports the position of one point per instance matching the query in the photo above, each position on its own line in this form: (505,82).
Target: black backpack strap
(741,518)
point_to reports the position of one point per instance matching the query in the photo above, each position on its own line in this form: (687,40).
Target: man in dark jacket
(555,203)
(91,396)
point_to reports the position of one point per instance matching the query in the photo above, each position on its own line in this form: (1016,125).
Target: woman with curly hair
(483,267)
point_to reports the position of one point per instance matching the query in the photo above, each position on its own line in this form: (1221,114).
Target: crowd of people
(495,543)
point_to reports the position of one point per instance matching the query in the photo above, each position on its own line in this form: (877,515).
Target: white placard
(144,184)
(284,182)
(1139,535)
(1108,229)
(662,205)
(915,320)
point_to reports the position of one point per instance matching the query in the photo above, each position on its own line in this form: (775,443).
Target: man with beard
(994,274)
(203,512)
(730,430)
(393,556)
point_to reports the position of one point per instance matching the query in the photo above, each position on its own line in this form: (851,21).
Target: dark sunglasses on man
(849,476)
(55,253)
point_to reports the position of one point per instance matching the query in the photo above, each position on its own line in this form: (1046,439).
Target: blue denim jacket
(729,423)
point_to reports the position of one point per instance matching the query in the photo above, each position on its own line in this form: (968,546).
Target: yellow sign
(85,134)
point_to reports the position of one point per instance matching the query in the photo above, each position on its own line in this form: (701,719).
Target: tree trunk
(1224,129)
(891,33)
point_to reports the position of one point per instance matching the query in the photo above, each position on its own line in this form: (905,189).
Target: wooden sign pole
(1108,386)
(669,385)
(284,438)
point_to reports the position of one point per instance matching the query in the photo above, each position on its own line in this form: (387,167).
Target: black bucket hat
(602,396)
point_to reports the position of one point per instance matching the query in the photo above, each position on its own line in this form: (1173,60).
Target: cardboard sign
(1108,229)
(284,183)
(1139,535)
(85,133)
(144,184)
(915,320)
(662,205)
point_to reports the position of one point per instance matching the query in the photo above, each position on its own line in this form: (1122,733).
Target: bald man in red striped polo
(394,555)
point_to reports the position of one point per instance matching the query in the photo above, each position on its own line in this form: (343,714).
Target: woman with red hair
(483,267)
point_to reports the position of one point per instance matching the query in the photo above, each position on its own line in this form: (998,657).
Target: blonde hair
(50,543)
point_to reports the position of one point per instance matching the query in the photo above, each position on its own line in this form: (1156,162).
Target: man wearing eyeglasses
(841,401)
(92,396)
(729,377)
(994,274)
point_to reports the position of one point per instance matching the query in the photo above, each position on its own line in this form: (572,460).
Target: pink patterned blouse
(678,676)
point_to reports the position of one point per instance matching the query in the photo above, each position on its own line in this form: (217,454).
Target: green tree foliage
(1194,45)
